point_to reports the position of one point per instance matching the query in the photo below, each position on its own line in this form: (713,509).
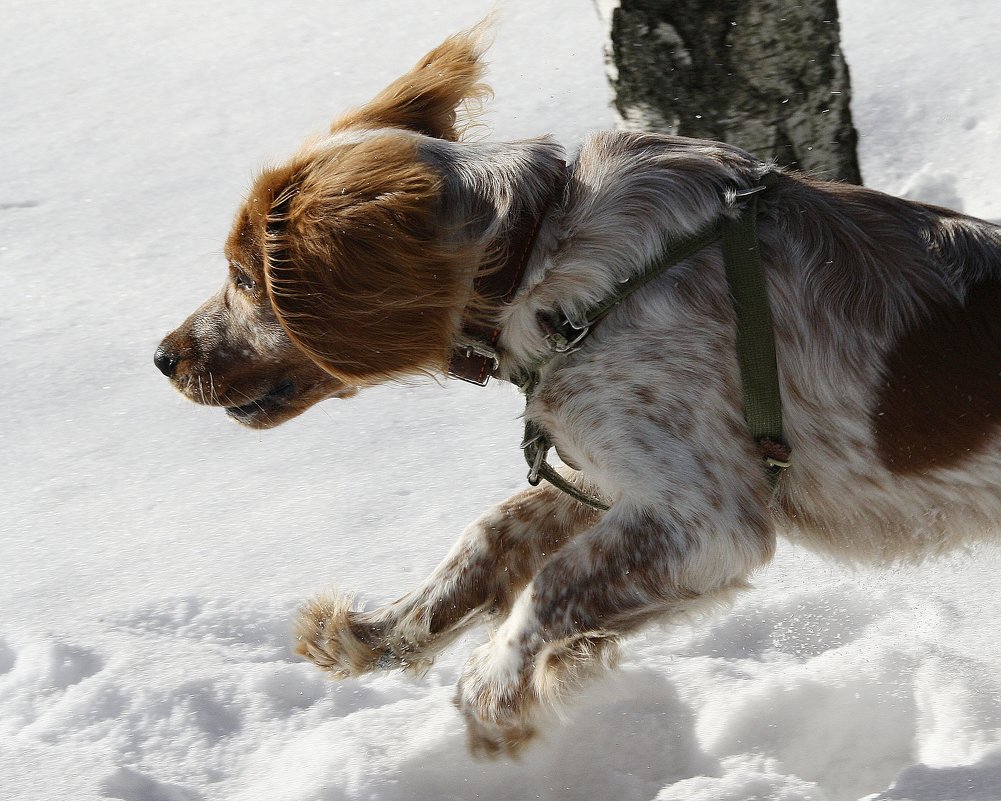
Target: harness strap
(755,344)
(566,335)
(759,373)
(536,447)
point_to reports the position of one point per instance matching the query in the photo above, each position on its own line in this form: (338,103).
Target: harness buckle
(535,445)
(540,454)
(568,336)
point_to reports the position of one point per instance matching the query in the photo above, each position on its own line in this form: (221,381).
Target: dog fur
(353,264)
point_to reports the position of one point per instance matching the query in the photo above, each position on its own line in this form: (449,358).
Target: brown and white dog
(354,263)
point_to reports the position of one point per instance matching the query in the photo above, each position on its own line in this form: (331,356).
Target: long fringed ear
(426,99)
(358,272)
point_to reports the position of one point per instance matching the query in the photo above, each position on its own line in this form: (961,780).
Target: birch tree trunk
(766,75)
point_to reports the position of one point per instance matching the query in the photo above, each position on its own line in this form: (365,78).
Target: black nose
(166,360)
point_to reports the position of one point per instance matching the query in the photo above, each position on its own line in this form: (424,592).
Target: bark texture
(766,75)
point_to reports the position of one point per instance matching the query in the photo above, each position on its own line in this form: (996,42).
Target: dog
(360,261)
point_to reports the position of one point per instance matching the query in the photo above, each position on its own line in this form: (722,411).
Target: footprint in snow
(47,665)
(130,785)
(260,631)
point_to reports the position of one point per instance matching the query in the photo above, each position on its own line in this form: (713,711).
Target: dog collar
(475,358)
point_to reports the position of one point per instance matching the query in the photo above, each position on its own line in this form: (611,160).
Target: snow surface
(153,552)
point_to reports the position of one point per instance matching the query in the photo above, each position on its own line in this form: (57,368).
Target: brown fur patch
(941,399)
(247,241)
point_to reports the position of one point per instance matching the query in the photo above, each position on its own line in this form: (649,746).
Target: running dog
(364,258)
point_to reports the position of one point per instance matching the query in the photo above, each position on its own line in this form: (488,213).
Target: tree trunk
(766,75)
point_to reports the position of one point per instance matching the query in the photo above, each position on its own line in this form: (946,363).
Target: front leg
(493,559)
(630,569)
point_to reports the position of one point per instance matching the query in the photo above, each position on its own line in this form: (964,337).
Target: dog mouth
(259,410)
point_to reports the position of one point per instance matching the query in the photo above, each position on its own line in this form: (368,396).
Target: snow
(153,553)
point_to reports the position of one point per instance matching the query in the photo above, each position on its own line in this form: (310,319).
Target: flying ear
(426,99)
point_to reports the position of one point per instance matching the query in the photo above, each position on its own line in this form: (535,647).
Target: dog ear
(426,99)
(358,270)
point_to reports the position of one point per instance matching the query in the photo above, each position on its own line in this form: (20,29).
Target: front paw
(337,639)
(500,715)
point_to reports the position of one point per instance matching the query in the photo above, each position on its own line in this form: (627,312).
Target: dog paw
(327,634)
(493,739)
(510,687)
(346,643)
(500,716)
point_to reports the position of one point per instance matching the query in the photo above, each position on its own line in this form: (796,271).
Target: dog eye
(241,280)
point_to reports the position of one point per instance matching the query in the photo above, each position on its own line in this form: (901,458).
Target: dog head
(344,267)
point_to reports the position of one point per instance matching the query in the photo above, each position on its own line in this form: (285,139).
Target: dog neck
(519,209)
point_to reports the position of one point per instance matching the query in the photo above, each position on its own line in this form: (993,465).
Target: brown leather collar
(475,360)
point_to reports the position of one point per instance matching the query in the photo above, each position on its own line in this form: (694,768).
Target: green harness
(755,344)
